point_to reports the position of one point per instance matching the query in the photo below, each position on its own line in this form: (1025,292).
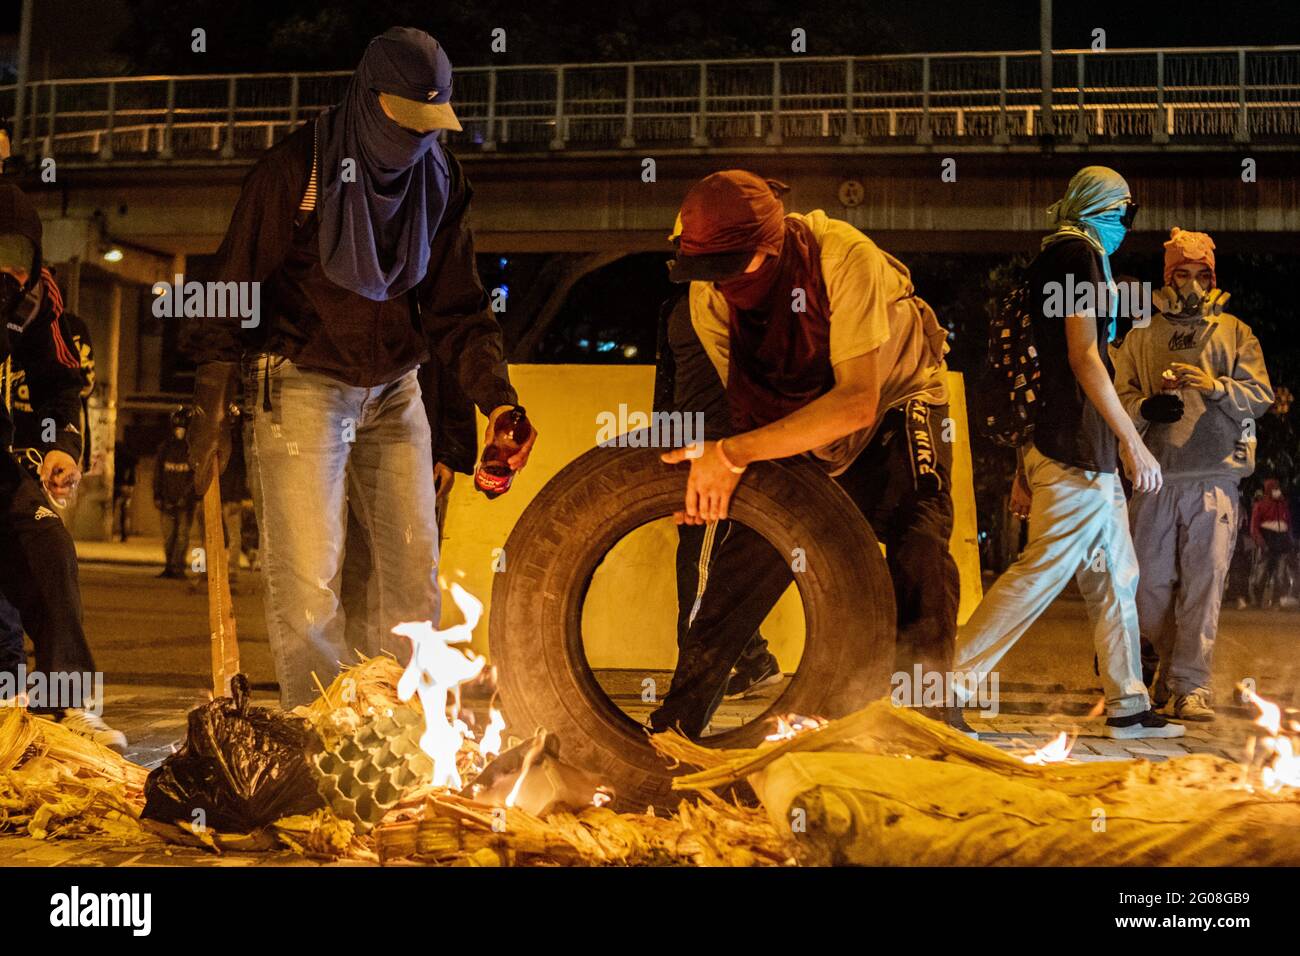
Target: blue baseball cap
(412,75)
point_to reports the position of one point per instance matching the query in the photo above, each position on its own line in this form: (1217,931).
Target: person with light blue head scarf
(1098,208)
(1067,485)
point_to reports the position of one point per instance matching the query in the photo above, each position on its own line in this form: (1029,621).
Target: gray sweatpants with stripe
(1184,537)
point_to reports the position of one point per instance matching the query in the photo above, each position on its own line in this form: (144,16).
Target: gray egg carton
(365,774)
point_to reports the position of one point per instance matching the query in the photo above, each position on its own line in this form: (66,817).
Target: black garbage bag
(242,766)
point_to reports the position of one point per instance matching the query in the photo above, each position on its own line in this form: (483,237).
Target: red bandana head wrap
(732,211)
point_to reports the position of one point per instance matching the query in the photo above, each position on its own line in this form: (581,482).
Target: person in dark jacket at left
(30,429)
(354,233)
(38,563)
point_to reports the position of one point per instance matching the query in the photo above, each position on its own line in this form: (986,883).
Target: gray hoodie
(1216,435)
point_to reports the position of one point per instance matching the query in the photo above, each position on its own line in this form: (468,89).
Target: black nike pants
(38,575)
(902,484)
(728,579)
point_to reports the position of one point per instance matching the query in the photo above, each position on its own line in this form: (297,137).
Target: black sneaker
(952,716)
(746,680)
(955,719)
(1159,690)
(1141,726)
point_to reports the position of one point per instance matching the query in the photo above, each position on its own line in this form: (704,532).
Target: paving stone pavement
(156,724)
(150,638)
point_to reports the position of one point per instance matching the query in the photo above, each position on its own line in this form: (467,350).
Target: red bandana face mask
(780,357)
(751,291)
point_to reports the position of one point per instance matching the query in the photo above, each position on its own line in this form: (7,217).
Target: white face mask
(1192,295)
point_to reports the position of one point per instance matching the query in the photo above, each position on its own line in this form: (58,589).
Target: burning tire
(535,634)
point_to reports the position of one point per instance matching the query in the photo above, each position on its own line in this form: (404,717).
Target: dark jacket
(29,419)
(233,483)
(173,479)
(40,381)
(685,378)
(324,327)
(1068,427)
(451,418)
(124,466)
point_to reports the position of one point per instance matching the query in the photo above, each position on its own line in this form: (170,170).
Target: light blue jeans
(322,446)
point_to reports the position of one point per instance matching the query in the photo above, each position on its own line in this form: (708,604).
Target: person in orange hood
(1194,381)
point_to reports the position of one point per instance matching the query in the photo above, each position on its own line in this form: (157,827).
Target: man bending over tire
(824,349)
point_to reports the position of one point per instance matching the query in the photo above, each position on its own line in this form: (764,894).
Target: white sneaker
(90,725)
(1142,726)
(1288,601)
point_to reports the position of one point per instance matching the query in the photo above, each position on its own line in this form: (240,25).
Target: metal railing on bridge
(1212,96)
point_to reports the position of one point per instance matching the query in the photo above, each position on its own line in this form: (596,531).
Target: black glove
(1164,408)
(209,432)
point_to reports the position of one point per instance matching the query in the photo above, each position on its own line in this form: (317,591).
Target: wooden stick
(221,612)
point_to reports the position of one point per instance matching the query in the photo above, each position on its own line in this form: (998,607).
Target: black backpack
(1010,393)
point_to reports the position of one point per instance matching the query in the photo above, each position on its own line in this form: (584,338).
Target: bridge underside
(572,203)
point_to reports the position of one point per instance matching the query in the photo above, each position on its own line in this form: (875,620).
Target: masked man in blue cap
(1078,516)
(355,230)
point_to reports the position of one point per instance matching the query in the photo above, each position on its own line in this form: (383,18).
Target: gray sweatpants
(1184,537)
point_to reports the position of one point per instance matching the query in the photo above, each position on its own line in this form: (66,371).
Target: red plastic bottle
(493,475)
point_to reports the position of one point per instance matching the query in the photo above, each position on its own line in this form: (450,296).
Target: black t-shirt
(1068,427)
(685,379)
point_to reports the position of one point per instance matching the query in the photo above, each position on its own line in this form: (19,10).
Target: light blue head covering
(1091,210)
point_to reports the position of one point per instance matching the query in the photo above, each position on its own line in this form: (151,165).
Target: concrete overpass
(558,154)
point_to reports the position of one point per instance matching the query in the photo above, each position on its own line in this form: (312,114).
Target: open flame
(1055,751)
(1281,763)
(490,745)
(791,725)
(435,671)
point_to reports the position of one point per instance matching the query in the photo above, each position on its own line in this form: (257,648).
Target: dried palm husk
(54,782)
(886,786)
(457,830)
(365,689)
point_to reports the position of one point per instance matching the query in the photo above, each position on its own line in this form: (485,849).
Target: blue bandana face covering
(1110,231)
(375,231)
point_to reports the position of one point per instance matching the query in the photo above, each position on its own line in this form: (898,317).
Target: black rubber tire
(534,631)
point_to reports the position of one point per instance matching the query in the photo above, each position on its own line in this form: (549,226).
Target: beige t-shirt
(873,310)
